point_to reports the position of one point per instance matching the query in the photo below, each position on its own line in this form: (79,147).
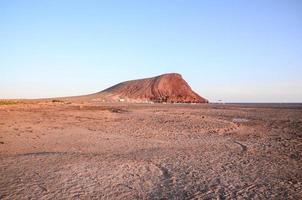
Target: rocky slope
(170,88)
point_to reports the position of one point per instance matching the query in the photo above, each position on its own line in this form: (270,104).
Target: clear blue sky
(237,51)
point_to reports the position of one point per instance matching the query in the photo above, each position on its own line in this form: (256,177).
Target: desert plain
(78,150)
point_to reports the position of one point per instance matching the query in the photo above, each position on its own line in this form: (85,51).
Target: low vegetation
(57,101)
(7,102)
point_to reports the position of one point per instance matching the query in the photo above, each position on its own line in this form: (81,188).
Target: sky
(234,51)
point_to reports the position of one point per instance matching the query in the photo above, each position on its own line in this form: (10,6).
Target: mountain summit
(170,88)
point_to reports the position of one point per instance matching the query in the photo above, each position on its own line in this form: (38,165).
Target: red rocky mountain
(170,88)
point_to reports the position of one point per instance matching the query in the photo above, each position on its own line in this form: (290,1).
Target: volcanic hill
(170,88)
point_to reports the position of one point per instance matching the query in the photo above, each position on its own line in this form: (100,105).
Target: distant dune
(170,88)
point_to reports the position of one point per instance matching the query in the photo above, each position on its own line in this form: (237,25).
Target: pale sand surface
(140,151)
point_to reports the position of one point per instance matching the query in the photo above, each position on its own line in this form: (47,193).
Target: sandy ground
(137,151)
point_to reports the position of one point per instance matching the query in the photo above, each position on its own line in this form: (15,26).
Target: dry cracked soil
(55,150)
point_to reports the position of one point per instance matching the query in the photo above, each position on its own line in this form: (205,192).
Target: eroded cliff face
(170,88)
